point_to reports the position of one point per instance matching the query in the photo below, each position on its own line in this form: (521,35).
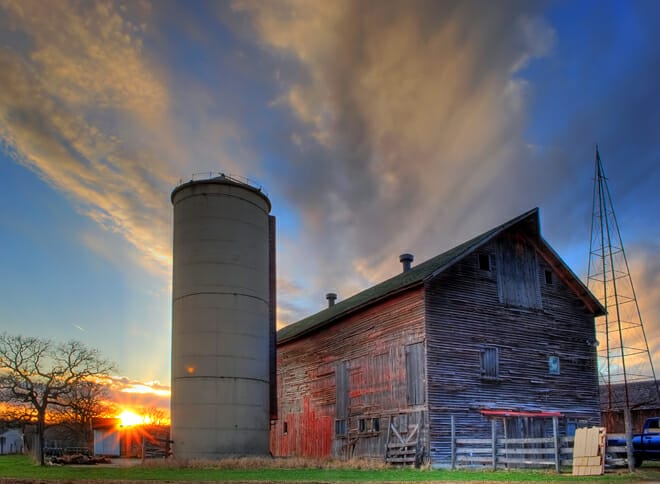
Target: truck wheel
(638,462)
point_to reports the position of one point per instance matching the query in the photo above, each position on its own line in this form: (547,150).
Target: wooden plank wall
(372,345)
(464,314)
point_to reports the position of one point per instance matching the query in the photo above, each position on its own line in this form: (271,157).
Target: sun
(129,418)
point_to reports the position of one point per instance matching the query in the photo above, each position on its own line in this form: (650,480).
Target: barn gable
(528,223)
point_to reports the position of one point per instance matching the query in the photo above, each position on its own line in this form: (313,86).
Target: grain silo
(223,319)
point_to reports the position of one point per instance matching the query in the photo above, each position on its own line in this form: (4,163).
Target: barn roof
(434,266)
(642,395)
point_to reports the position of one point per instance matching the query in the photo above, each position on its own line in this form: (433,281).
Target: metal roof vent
(331,297)
(406,260)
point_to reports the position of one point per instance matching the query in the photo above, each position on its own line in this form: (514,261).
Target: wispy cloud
(70,96)
(413,118)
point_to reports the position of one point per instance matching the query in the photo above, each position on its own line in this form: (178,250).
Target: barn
(496,334)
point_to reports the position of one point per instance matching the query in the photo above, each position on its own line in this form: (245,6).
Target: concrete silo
(223,322)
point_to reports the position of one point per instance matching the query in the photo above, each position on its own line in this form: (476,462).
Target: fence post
(453,443)
(493,426)
(627,420)
(555,434)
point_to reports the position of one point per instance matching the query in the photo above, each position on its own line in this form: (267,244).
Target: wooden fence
(497,452)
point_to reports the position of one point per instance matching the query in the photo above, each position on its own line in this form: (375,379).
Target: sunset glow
(137,388)
(129,418)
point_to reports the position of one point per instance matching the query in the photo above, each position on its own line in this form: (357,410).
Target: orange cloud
(137,396)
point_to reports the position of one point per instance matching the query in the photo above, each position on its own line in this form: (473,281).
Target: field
(23,469)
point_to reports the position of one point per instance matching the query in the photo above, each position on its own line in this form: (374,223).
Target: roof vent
(406,260)
(331,297)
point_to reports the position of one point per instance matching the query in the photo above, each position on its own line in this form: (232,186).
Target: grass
(283,470)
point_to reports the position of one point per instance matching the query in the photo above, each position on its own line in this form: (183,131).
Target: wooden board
(589,451)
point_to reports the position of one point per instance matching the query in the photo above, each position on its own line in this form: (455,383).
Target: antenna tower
(623,350)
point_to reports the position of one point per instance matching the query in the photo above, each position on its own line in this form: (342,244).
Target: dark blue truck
(646,446)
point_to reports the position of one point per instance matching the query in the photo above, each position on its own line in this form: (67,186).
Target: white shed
(11,442)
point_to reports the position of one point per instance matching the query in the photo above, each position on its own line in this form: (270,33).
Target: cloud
(645,273)
(68,98)
(126,392)
(408,124)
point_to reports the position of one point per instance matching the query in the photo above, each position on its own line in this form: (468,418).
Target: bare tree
(37,373)
(153,415)
(87,399)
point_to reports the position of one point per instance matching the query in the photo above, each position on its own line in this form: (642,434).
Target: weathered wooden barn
(497,328)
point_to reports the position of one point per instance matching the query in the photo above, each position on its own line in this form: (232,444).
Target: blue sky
(376,128)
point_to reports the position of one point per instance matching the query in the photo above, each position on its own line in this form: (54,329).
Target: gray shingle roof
(405,280)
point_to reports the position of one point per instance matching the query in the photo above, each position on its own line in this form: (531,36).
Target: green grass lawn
(23,467)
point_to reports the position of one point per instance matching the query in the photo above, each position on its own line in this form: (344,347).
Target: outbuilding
(11,442)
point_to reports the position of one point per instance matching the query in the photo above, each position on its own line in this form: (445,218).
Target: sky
(375,127)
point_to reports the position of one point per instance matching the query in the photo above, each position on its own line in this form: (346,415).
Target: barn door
(415,374)
(404,439)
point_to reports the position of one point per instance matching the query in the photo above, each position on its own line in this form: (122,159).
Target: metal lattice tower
(623,351)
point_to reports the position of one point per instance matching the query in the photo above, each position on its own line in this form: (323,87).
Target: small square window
(553,365)
(375,424)
(340,428)
(362,425)
(548,277)
(484,262)
(285,428)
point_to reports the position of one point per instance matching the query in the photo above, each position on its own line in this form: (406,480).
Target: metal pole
(627,417)
(555,434)
(453,443)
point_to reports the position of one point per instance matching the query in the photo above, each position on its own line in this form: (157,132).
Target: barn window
(489,363)
(362,425)
(415,374)
(285,428)
(553,365)
(340,428)
(548,277)
(484,262)
(375,424)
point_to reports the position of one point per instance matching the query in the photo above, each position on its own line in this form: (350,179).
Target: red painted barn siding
(372,344)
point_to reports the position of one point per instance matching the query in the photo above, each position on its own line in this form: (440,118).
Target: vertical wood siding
(371,346)
(464,315)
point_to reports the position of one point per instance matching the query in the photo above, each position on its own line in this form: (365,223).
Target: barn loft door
(517,274)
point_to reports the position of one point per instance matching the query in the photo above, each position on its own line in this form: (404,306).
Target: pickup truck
(646,446)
